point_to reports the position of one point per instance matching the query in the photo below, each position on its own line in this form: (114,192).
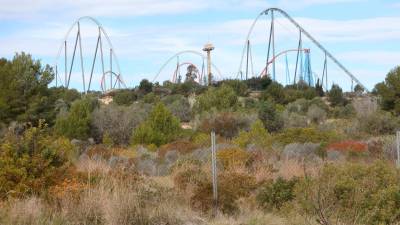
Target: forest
(292,154)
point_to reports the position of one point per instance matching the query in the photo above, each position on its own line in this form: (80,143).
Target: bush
(316,114)
(304,135)
(275,93)
(159,128)
(118,121)
(275,194)
(31,163)
(231,187)
(233,157)
(257,136)
(351,194)
(239,86)
(225,124)
(271,119)
(221,98)
(389,91)
(179,106)
(76,122)
(335,96)
(124,97)
(379,123)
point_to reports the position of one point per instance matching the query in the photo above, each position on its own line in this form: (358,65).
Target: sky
(364,35)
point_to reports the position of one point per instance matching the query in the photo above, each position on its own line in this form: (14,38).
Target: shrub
(124,97)
(118,121)
(273,195)
(275,93)
(225,124)
(76,122)
(31,163)
(159,128)
(221,98)
(335,96)
(201,139)
(353,193)
(304,135)
(145,87)
(257,135)
(389,91)
(271,119)
(181,146)
(239,86)
(348,146)
(316,114)
(379,123)
(233,157)
(231,187)
(151,98)
(179,106)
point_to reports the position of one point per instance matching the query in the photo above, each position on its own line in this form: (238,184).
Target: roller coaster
(111,78)
(302,71)
(115,78)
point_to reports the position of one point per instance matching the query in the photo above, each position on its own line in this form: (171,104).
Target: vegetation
(293,154)
(159,128)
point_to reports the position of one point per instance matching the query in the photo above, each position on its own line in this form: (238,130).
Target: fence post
(214,173)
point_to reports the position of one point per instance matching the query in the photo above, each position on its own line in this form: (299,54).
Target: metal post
(80,50)
(214,172)
(398,147)
(297,58)
(273,45)
(111,86)
(247,59)
(94,61)
(73,59)
(56,76)
(66,68)
(269,48)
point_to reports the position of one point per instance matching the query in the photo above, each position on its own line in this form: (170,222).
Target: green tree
(145,86)
(159,128)
(389,91)
(335,96)
(76,122)
(24,95)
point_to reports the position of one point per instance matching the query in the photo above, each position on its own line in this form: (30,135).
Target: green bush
(352,194)
(31,163)
(76,122)
(159,128)
(221,98)
(379,123)
(257,136)
(305,135)
(335,96)
(124,97)
(275,93)
(275,194)
(271,119)
(389,91)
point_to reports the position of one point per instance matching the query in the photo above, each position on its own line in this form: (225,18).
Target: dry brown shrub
(232,185)
(233,157)
(181,146)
